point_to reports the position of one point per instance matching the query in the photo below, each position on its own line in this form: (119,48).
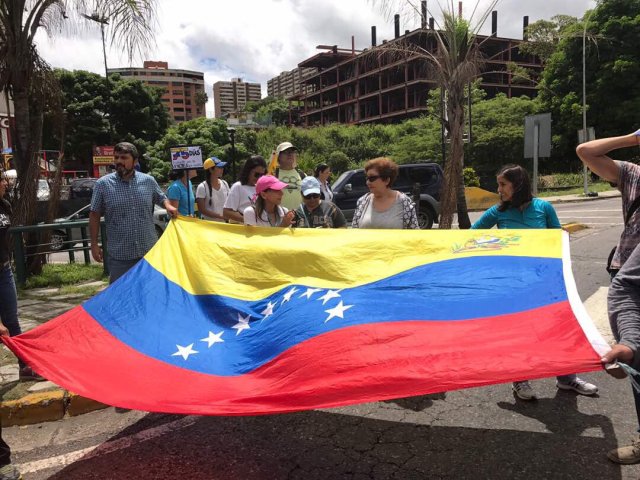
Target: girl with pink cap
(266,210)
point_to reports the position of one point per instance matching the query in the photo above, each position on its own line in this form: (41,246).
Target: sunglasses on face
(373,178)
(257,174)
(312,196)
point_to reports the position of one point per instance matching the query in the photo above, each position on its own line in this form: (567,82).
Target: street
(476,433)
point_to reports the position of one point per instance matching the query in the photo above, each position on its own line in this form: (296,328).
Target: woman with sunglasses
(213,192)
(518,208)
(317,213)
(242,192)
(384,207)
(266,210)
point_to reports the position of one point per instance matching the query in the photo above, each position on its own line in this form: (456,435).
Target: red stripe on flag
(346,366)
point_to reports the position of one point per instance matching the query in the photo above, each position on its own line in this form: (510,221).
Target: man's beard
(122,171)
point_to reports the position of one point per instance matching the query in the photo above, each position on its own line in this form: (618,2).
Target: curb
(573,227)
(46,407)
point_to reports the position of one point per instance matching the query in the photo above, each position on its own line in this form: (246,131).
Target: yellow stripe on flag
(265,260)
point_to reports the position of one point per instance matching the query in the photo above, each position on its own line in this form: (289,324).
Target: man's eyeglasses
(312,196)
(373,178)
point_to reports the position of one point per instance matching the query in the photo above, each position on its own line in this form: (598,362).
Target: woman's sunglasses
(373,178)
(257,174)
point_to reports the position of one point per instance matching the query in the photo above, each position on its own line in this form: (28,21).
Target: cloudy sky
(258,39)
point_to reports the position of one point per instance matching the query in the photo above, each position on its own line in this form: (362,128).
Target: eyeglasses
(373,178)
(312,196)
(257,174)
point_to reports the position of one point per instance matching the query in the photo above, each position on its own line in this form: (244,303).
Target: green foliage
(101,112)
(57,275)
(210,134)
(612,68)
(338,161)
(471,178)
(544,36)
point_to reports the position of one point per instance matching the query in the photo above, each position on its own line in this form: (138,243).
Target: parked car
(351,185)
(82,187)
(44,192)
(59,238)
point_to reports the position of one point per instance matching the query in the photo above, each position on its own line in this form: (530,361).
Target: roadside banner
(241,320)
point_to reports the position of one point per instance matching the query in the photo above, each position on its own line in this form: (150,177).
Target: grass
(593,187)
(60,275)
(81,290)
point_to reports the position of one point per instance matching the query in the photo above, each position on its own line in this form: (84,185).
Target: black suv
(351,185)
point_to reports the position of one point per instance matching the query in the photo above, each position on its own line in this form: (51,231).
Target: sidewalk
(24,403)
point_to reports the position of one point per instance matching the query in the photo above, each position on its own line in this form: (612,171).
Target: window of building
(187,102)
(179,109)
(179,118)
(178,100)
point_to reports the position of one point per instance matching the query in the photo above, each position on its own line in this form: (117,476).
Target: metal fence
(22,250)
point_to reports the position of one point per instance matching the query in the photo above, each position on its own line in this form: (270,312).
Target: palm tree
(26,77)
(455,63)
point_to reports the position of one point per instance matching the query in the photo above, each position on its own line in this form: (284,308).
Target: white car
(59,238)
(43,189)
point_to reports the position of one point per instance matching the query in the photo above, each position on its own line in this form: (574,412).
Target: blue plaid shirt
(127,207)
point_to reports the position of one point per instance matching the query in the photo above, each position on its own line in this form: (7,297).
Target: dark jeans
(117,268)
(9,303)
(5,451)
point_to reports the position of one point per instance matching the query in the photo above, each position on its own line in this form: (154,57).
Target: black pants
(5,451)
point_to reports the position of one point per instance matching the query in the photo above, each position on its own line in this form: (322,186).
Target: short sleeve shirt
(263,220)
(327,215)
(240,197)
(127,206)
(214,199)
(291,198)
(177,191)
(629,186)
(538,214)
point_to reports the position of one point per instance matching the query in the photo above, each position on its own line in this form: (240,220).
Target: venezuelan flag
(235,320)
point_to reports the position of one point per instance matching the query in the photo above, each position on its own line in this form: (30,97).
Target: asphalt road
(477,433)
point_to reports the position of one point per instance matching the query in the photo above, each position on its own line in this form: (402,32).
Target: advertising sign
(183,158)
(103,155)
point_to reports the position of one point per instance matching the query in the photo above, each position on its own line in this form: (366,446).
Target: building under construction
(391,82)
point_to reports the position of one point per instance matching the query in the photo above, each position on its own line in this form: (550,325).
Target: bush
(560,180)
(471,178)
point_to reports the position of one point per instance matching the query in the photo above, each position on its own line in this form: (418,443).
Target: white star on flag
(289,294)
(243,324)
(329,295)
(309,292)
(268,311)
(184,352)
(213,338)
(337,311)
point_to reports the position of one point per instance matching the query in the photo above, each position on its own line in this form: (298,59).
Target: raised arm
(594,154)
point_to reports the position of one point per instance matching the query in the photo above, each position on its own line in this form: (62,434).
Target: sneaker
(626,455)
(523,390)
(9,472)
(579,386)
(28,375)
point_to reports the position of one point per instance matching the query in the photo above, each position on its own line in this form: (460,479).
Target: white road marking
(596,306)
(107,447)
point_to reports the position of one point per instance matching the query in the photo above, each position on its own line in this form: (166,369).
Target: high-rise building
(233,96)
(289,83)
(183,89)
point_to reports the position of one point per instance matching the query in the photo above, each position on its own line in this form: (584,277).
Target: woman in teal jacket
(518,208)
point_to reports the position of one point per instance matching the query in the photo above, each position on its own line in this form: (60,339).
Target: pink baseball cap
(269,182)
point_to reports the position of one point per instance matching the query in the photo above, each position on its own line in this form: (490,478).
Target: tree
(612,67)
(25,76)
(543,36)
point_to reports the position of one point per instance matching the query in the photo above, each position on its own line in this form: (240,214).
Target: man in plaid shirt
(126,199)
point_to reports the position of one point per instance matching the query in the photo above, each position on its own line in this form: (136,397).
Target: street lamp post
(102,21)
(232,135)
(585,134)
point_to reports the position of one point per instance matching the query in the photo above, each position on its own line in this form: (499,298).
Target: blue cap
(310,185)
(213,162)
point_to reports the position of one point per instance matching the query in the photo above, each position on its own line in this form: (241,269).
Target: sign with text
(103,155)
(183,158)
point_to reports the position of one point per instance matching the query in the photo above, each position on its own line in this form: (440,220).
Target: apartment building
(389,85)
(291,83)
(232,96)
(183,89)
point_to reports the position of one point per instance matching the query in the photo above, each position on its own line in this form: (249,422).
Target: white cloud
(258,39)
